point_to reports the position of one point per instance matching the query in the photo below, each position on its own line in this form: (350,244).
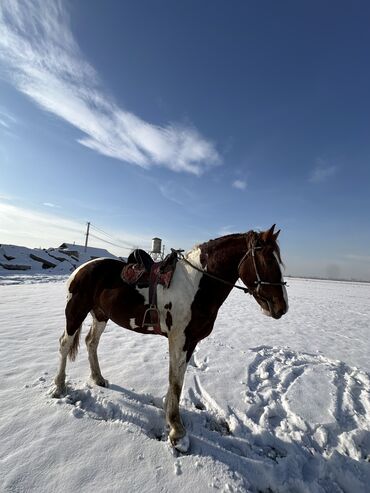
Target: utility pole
(87,235)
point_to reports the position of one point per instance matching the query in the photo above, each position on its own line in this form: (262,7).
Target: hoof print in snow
(220,425)
(77,413)
(120,408)
(310,400)
(177,468)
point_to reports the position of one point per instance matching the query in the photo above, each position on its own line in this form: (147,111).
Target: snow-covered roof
(62,260)
(91,251)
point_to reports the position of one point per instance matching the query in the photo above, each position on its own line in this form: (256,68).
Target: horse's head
(259,269)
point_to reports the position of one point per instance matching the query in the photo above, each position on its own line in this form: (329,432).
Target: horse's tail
(73,350)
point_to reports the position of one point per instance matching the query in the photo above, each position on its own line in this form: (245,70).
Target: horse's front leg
(177,367)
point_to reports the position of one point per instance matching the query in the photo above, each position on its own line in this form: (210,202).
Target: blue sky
(188,120)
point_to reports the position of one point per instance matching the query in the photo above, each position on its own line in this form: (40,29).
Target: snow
(15,260)
(270,405)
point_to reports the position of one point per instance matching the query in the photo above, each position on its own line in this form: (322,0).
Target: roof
(91,251)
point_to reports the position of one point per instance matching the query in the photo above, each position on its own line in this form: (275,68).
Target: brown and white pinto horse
(188,308)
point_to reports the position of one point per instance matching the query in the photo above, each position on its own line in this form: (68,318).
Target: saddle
(141,271)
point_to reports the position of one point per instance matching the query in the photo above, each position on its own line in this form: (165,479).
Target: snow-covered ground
(271,406)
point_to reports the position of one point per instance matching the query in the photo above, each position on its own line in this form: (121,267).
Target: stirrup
(148,311)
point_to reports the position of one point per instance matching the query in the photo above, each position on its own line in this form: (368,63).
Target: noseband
(258,282)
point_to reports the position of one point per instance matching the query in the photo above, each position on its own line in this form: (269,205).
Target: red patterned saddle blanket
(144,273)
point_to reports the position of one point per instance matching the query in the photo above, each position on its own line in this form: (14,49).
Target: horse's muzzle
(278,314)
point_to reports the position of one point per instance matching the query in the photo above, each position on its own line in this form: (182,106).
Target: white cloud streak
(322,172)
(6,116)
(50,204)
(239,184)
(6,119)
(45,63)
(3,123)
(177,193)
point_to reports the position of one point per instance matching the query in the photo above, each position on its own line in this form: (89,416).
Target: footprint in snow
(309,399)
(135,414)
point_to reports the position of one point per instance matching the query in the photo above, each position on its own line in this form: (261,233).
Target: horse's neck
(222,256)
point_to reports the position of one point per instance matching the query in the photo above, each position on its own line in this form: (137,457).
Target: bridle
(257,283)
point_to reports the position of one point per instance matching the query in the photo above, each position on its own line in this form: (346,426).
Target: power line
(130,247)
(101,231)
(111,237)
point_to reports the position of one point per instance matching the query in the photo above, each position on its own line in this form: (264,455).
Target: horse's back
(100,271)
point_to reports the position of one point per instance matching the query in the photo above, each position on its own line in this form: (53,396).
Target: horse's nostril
(279,313)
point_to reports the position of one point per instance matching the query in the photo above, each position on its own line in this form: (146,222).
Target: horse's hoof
(181,444)
(102,382)
(57,392)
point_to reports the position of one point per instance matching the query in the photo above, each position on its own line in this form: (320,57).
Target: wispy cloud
(3,123)
(322,172)
(177,193)
(6,116)
(169,193)
(45,62)
(7,120)
(50,204)
(239,184)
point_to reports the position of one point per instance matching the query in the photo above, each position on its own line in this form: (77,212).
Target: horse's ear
(275,235)
(269,234)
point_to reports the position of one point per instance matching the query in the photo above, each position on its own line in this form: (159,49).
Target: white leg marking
(133,323)
(177,367)
(92,342)
(65,345)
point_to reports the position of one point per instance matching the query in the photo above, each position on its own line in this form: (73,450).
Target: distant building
(78,251)
(62,260)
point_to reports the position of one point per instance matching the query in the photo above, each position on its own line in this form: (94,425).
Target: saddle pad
(164,278)
(133,273)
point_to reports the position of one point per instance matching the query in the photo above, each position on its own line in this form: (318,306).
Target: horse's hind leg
(69,341)
(92,342)
(66,343)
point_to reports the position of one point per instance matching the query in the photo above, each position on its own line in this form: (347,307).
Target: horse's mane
(217,242)
(252,238)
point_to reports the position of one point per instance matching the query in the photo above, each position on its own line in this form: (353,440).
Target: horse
(187,309)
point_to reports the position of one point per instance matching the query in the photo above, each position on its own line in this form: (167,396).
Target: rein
(258,283)
(182,257)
